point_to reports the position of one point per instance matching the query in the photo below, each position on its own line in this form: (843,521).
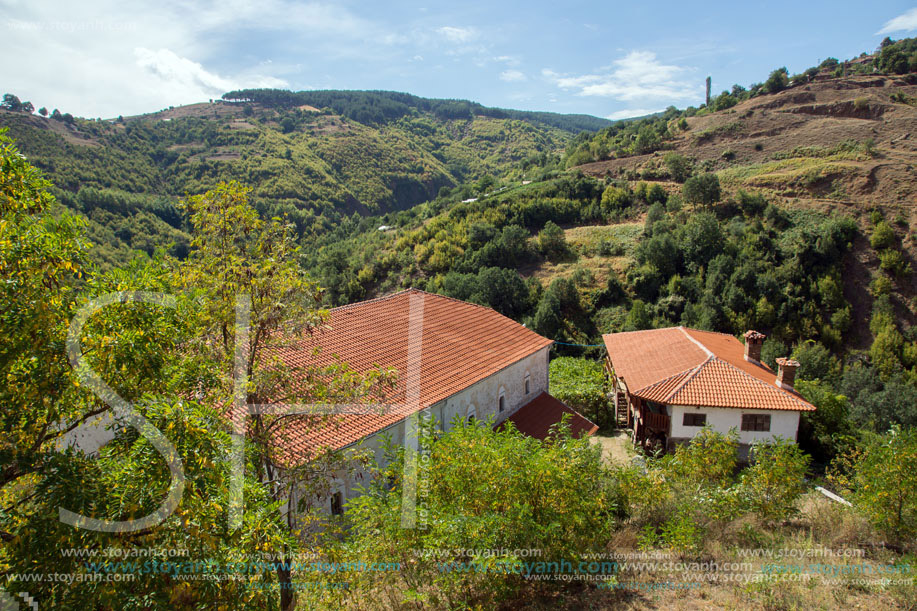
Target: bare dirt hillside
(755,141)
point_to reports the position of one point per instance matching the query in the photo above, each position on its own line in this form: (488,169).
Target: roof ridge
(748,375)
(689,377)
(713,332)
(374,299)
(696,342)
(662,381)
(410,290)
(639,331)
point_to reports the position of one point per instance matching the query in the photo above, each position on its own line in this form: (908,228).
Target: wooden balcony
(658,422)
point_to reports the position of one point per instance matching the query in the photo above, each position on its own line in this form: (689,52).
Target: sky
(104,58)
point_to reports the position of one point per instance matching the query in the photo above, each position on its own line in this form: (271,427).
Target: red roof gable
(536,418)
(681,366)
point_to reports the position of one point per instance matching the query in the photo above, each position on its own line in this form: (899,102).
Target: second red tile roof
(681,366)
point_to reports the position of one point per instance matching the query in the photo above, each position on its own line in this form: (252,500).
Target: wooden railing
(656,421)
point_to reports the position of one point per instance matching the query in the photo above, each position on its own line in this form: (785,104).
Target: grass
(599,267)
(590,239)
(848,150)
(600,250)
(803,171)
(812,541)
(729,129)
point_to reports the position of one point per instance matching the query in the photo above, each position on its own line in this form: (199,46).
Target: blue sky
(106,57)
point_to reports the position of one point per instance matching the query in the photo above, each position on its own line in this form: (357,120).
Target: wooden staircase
(621,408)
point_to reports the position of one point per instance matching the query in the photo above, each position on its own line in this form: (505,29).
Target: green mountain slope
(313,166)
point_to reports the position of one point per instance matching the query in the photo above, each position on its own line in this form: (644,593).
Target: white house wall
(482,396)
(784,423)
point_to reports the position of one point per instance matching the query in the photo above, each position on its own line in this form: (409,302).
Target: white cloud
(637,76)
(107,57)
(187,81)
(905,22)
(632,112)
(456,34)
(509,60)
(512,76)
(180,72)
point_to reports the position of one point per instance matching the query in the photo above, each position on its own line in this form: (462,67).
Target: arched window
(501,402)
(527,383)
(471,413)
(337,504)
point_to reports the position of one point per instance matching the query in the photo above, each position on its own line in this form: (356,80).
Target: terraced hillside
(846,140)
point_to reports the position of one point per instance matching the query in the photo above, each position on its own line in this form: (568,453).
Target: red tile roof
(536,418)
(681,366)
(460,344)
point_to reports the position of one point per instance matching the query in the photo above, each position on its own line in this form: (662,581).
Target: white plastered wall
(483,396)
(784,423)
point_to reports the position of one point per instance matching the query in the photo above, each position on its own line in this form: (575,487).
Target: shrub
(482,490)
(615,198)
(828,431)
(580,383)
(551,240)
(703,189)
(881,285)
(771,350)
(893,262)
(883,236)
(778,80)
(655,213)
(708,460)
(679,166)
(656,195)
(776,478)
(882,480)
(752,204)
(815,362)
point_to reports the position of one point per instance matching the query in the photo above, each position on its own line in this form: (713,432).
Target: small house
(669,383)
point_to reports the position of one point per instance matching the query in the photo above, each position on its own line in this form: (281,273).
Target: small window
(471,415)
(756,422)
(501,403)
(694,420)
(337,504)
(527,385)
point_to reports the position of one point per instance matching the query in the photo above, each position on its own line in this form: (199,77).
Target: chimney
(753,341)
(786,372)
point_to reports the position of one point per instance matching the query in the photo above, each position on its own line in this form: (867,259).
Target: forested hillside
(776,210)
(787,208)
(313,165)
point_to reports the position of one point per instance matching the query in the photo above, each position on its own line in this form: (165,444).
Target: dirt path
(616,447)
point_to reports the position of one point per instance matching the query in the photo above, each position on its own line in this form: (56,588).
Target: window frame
(501,401)
(756,423)
(694,417)
(526,383)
